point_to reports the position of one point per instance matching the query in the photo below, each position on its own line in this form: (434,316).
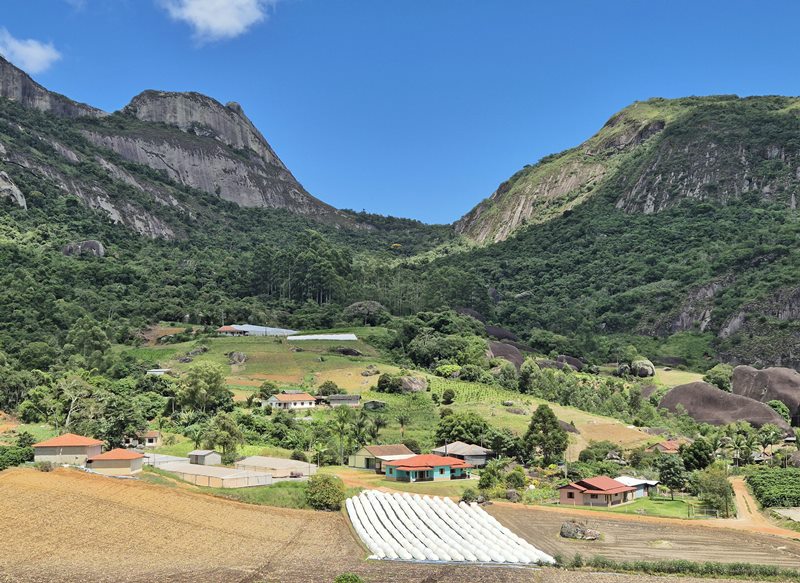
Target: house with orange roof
(117,462)
(427,468)
(67,449)
(292,401)
(597,491)
(667,447)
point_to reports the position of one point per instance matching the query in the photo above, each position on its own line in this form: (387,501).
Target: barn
(205,457)
(67,449)
(117,462)
(278,467)
(216,477)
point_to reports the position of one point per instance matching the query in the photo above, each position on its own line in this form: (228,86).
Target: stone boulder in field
(413,384)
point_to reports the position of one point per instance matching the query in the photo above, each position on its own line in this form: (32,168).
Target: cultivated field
(637,538)
(78,528)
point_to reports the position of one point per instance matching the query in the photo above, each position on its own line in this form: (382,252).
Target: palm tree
(342,420)
(403,419)
(380,421)
(319,449)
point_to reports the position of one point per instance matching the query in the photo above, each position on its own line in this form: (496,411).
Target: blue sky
(415,108)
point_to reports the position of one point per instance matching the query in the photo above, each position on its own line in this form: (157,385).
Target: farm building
(471,453)
(67,449)
(343,400)
(292,401)
(158,372)
(216,477)
(372,457)
(146,439)
(277,466)
(427,468)
(643,487)
(668,447)
(117,462)
(598,491)
(251,330)
(205,457)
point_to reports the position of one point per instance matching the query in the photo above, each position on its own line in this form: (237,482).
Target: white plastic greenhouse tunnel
(424,528)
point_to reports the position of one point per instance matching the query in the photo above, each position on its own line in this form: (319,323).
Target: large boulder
(237,358)
(770,384)
(641,367)
(506,352)
(92,248)
(575,363)
(414,384)
(578,530)
(10,190)
(706,403)
(500,333)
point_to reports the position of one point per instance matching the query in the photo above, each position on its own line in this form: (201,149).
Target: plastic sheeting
(402,526)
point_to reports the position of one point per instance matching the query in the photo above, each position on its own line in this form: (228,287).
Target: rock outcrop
(413,384)
(705,403)
(769,384)
(507,352)
(91,248)
(9,190)
(17,85)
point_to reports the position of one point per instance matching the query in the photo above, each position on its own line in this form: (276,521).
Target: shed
(278,467)
(343,400)
(643,487)
(469,452)
(216,477)
(67,449)
(372,457)
(205,457)
(117,462)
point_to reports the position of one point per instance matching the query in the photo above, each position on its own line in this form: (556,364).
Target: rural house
(117,462)
(372,457)
(473,454)
(667,447)
(277,467)
(598,491)
(147,439)
(427,468)
(643,487)
(205,457)
(343,400)
(230,331)
(67,449)
(291,401)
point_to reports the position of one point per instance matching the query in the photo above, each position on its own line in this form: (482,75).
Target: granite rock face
(9,190)
(770,384)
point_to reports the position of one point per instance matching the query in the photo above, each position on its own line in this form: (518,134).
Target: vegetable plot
(415,528)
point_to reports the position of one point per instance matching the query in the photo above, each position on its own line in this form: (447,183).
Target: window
(593,496)
(441,471)
(570,495)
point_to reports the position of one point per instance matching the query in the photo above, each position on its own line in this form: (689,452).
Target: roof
(117,454)
(670,446)
(290,398)
(343,397)
(631,481)
(599,485)
(229,329)
(151,433)
(68,440)
(427,462)
(323,337)
(263,330)
(201,452)
(461,448)
(274,463)
(389,450)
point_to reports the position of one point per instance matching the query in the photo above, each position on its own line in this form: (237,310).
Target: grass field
(10,430)
(184,445)
(663,507)
(673,378)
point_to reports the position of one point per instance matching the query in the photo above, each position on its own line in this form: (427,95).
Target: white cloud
(219,19)
(31,55)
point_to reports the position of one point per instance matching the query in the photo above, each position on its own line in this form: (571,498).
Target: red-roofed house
(427,468)
(597,491)
(292,401)
(117,462)
(671,446)
(67,449)
(230,331)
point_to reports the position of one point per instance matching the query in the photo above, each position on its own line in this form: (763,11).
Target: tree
(768,435)
(329,388)
(342,420)
(368,313)
(448,396)
(468,427)
(325,492)
(403,419)
(204,388)
(715,489)
(720,376)
(672,473)
(87,338)
(545,437)
(225,433)
(781,409)
(697,455)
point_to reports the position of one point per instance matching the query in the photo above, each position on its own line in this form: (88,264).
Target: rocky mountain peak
(203,116)
(17,85)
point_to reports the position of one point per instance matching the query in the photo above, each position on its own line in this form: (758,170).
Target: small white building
(643,487)
(67,449)
(146,439)
(117,462)
(291,401)
(205,457)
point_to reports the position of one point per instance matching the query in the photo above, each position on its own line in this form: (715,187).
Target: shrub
(44,466)
(325,492)
(577,561)
(469,495)
(299,456)
(516,478)
(348,578)
(388,383)
(329,388)
(448,396)
(447,370)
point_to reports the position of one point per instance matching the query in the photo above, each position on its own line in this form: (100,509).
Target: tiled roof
(599,485)
(117,454)
(284,398)
(68,440)
(383,450)
(427,461)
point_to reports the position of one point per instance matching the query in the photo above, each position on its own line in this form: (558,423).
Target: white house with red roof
(117,462)
(67,449)
(427,468)
(597,491)
(292,401)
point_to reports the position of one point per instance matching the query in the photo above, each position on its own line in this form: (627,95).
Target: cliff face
(17,85)
(653,154)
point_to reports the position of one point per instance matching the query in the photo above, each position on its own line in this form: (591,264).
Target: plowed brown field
(72,527)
